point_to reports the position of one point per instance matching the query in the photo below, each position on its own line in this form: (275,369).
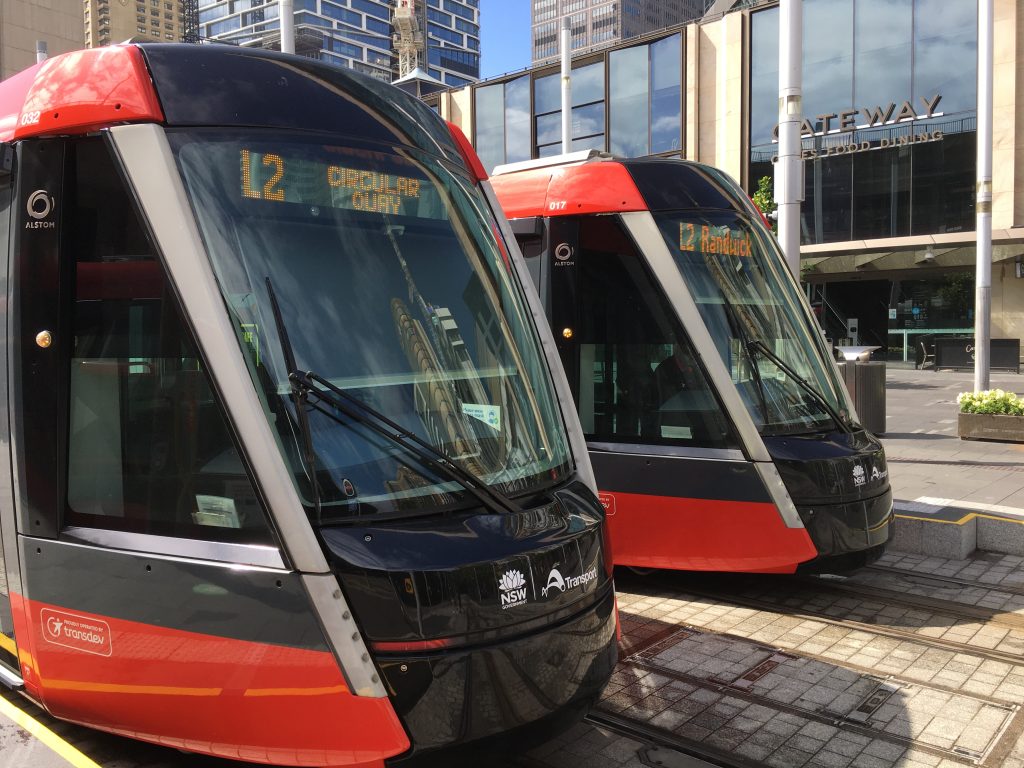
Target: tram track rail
(803,612)
(661,739)
(822,717)
(951,580)
(1003,739)
(937,605)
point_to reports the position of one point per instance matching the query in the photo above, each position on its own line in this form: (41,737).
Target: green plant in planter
(996,401)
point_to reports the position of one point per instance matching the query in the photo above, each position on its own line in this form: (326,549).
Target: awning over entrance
(868,259)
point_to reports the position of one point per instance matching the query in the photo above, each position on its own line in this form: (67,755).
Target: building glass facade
(595,23)
(356,33)
(888,246)
(627,101)
(889,105)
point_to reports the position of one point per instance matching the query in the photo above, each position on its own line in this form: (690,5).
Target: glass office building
(625,100)
(595,23)
(889,145)
(355,33)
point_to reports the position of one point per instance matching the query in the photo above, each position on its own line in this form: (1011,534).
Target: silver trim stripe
(566,403)
(645,234)
(172,546)
(147,156)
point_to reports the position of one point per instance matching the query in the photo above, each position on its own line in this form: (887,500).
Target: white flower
(512,580)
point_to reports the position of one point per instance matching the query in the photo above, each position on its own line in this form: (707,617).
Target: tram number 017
(270,190)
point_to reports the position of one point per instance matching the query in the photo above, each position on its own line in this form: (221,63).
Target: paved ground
(915,662)
(929,460)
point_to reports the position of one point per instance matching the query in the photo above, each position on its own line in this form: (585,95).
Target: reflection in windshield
(392,288)
(751,309)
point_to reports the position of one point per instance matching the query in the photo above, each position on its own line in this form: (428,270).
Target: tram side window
(149,448)
(639,380)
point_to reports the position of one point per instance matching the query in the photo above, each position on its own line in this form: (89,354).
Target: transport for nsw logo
(513,589)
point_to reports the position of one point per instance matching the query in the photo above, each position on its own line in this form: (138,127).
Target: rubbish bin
(865,381)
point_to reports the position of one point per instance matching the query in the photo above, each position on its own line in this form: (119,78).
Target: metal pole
(41,51)
(286,9)
(983,209)
(788,171)
(566,35)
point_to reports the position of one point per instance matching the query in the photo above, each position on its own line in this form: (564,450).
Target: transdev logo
(513,589)
(77,632)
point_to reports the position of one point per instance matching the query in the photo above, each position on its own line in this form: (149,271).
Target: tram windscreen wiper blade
(360,412)
(309,453)
(760,346)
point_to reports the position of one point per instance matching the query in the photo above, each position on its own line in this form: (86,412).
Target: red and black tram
(288,476)
(720,433)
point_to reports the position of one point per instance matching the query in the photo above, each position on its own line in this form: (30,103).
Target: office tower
(23,22)
(597,23)
(114,21)
(356,33)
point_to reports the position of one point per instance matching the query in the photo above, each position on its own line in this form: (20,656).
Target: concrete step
(948,528)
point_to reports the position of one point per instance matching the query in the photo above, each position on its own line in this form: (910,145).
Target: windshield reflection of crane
(451,395)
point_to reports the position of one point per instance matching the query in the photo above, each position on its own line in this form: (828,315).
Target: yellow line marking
(8,645)
(963,520)
(46,736)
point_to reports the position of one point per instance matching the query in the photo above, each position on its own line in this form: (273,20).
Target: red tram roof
(78,92)
(598,186)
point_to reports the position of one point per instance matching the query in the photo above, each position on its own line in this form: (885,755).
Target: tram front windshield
(391,287)
(756,320)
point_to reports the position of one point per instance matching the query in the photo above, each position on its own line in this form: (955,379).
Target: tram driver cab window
(638,378)
(149,449)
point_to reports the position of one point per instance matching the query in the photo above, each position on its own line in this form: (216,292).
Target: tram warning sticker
(488,414)
(77,632)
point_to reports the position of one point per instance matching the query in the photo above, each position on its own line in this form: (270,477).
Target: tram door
(9,577)
(137,520)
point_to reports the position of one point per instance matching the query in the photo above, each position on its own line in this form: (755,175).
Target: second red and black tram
(721,435)
(287,476)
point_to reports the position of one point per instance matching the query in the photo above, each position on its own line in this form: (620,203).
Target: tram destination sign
(278,177)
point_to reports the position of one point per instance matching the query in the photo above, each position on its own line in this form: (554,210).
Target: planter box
(990,426)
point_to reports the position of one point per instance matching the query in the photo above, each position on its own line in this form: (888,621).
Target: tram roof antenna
(408,38)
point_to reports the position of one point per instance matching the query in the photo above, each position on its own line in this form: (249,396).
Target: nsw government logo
(513,589)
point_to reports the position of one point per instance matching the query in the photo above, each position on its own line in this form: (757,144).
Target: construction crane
(408,38)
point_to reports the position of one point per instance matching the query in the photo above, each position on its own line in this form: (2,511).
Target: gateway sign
(848,120)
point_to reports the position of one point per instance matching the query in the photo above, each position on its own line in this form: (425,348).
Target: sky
(504,36)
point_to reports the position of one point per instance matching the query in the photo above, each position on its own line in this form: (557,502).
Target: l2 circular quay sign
(835,124)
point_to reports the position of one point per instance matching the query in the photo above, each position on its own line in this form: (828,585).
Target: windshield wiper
(309,454)
(760,346)
(310,383)
(304,384)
